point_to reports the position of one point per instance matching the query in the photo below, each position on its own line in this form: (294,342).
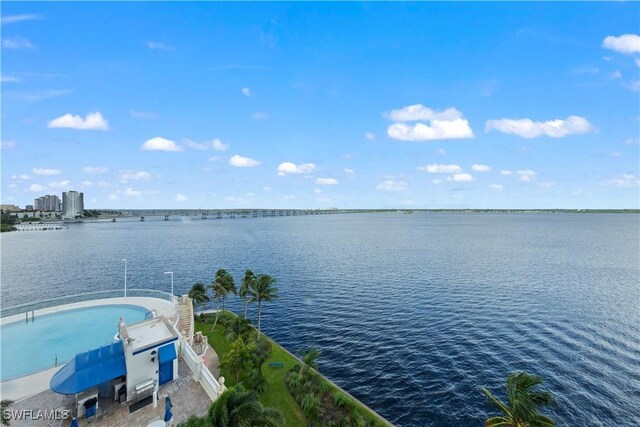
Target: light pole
(125,277)
(171,273)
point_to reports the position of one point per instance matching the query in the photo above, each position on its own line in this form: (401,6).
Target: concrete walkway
(212,361)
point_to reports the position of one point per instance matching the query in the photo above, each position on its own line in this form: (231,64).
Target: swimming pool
(30,347)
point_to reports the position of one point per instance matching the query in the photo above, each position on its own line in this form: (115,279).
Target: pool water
(30,347)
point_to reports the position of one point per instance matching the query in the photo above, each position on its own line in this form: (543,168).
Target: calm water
(413,313)
(33,346)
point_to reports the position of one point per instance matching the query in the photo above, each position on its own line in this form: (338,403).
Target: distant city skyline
(319,105)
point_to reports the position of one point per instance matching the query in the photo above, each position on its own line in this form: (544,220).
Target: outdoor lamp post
(171,273)
(125,277)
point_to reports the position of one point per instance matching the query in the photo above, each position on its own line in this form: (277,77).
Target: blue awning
(167,353)
(90,369)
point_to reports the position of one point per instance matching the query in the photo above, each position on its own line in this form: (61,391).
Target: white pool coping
(23,387)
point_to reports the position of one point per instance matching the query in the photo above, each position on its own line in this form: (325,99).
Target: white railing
(87,296)
(200,371)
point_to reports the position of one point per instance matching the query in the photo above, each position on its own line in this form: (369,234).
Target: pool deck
(187,396)
(29,385)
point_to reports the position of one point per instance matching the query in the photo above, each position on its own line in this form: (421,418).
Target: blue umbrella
(74,422)
(167,409)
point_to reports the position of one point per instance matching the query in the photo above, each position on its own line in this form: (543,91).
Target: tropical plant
(235,327)
(238,407)
(218,291)
(198,294)
(310,359)
(263,289)
(523,403)
(239,358)
(263,351)
(310,407)
(257,380)
(245,288)
(4,416)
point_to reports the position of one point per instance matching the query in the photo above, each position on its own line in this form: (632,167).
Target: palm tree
(218,291)
(226,281)
(309,359)
(263,289)
(245,288)
(240,407)
(4,407)
(198,294)
(235,327)
(523,402)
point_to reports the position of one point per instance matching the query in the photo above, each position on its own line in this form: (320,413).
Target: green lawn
(277,395)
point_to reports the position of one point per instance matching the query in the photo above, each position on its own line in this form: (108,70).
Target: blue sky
(313,105)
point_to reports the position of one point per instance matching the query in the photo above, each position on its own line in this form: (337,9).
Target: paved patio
(186,394)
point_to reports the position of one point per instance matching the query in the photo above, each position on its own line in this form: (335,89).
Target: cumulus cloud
(36,188)
(126,176)
(160,144)
(292,168)
(526,175)
(159,46)
(447,124)
(506,172)
(392,185)
(327,181)
(527,128)
(496,186)
(246,91)
(433,168)
(60,184)
(17,43)
(243,162)
(181,198)
(481,168)
(625,181)
(369,136)
(130,192)
(546,184)
(349,172)
(441,152)
(46,172)
(95,170)
(626,43)
(93,121)
(214,144)
(460,177)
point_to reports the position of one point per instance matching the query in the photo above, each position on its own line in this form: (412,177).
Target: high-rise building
(72,204)
(47,203)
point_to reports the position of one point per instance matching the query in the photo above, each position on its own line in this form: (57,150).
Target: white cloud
(243,162)
(17,43)
(460,177)
(506,172)
(93,121)
(441,152)
(634,86)
(632,141)
(46,172)
(144,115)
(113,196)
(86,184)
(130,192)
(437,129)
(266,188)
(7,145)
(126,176)
(350,173)
(9,79)
(437,181)
(246,91)
(433,168)
(327,181)
(370,136)
(214,144)
(181,198)
(214,159)
(36,188)
(260,115)
(637,61)
(527,128)
(392,185)
(11,19)
(625,181)
(616,74)
(481,168)
(95,170)
(159,46)
(103,184)
(546,184)
(317,191)
(160,144)
(60,184)
(288,167)
(526,175)
(626,43)
(616,154)
(419,112)
(496,186)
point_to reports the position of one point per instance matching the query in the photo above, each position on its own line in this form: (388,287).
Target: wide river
(412,313)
